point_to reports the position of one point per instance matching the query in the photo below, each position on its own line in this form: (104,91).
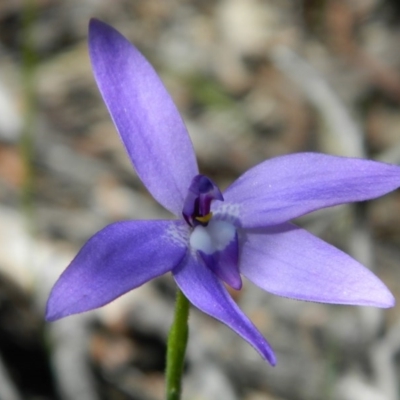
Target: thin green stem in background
(177,341)
(29,64)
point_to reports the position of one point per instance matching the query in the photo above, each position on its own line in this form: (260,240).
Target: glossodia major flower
(217,237)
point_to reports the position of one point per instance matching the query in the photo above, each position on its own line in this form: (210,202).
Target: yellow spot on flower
(204,219)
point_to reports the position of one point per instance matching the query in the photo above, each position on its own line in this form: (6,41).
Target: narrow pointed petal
(206,292)
(291,262)
(287,187)
(119,258)
(145,116)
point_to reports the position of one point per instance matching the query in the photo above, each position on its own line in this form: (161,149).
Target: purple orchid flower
(217,237)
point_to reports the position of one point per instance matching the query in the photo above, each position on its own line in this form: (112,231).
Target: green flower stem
(177,340)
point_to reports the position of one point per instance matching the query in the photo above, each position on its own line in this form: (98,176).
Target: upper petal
(119,258)
(145,116)
(206,292)
(287,187)
(291,262)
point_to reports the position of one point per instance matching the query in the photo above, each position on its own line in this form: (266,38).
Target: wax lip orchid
(217,237)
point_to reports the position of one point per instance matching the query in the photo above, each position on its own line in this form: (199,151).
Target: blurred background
(253,79)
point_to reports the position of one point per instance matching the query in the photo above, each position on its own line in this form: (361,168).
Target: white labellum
(211,238)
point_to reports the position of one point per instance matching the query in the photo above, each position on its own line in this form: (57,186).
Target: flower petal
(206,292)
(119,258)
(145,116)
(287,187)
(217,244)
(291,262)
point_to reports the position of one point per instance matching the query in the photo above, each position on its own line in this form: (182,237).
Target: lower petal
(119,258)
(217,244)
(204,290)
(291,262)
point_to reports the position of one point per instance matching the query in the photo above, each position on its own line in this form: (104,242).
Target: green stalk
(29,64)
(177,341)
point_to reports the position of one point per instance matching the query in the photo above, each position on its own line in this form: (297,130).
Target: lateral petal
(119,258)
(204,290)
(287,187)
(291,262)
(145,116)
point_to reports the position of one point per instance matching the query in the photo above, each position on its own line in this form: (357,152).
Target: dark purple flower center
(197,205)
